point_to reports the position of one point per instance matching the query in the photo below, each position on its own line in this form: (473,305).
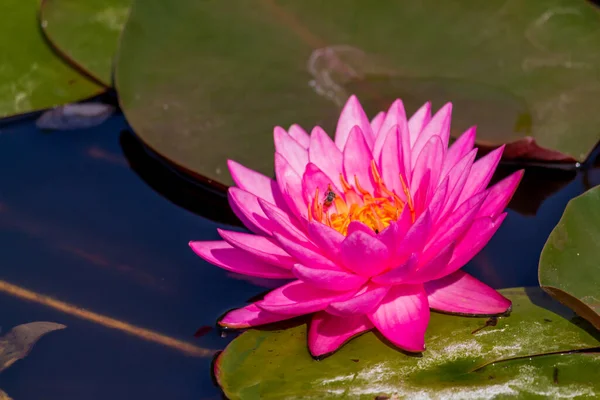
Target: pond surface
(95,233)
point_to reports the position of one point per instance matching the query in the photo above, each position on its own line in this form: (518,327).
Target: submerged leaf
(17,343)
(4,396)
(274,364)
(569,265)
(75,116)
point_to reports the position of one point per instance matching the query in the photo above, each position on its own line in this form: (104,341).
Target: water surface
(91,219)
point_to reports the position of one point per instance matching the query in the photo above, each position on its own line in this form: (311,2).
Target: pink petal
(256,183)
(439,126)
(365,301)
(414,240)
(357,226)
(327,239)
(431,159)
(376,123)
(403,316)
(481,174)
(418,121)
(393,235)
(456,181)
(299,135)
(284,224)
(325,155)
(291,150)
(399,273)
(391,162)
(500,194)
(364,254)
(461,293)
(327,332)
(436,204)
(249,316)
(422,194)
(460,148)
(312,179)
(389,236)
(231,259)
(299,298)
(357,160)
(480,233)
(395,117)
(263,248)
(339,281)
(246,207)
(290,185)
(432,268)
(455,225)
(352,115)
(395,232)
(308,256)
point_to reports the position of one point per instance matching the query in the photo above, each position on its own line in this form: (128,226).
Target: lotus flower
(372,227)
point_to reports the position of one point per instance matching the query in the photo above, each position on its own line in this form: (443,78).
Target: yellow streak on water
(151,336)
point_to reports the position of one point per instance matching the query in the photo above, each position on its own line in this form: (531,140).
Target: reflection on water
(340,71)
(499,114)
(93,220)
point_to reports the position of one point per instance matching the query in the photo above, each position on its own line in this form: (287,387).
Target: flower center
(376,210)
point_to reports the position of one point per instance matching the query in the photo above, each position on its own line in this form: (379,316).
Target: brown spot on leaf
(492,321)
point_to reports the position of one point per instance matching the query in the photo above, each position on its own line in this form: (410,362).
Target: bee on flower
(329,197)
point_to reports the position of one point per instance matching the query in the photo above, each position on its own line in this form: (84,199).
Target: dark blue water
(92,219)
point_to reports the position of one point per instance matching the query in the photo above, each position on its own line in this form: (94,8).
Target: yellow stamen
(376,210)
(345,185)
(359,188)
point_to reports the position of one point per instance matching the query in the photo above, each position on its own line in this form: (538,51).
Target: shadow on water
(176,186)
(94,219)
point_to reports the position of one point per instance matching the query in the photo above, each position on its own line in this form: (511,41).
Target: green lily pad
(462,353)
(569,265)
(86,32)
(201,82)
(32,76)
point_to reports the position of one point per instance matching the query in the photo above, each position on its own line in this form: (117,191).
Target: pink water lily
(373,227)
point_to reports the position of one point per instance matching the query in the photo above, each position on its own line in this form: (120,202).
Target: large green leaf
(86,32)
(32,76)
(569,264)
(275,364)
(201,82)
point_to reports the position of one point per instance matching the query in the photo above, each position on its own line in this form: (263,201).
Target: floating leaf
(4,396)
(32,76)
(204,82)
(462,354)
(17,343)
(569,265)
(98,25)
(75,116)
